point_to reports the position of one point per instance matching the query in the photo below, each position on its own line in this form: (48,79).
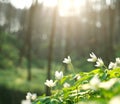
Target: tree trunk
(110,47)
(29,39)
(67,40)
(50,49)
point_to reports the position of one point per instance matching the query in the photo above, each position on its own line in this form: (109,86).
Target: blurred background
(36,35)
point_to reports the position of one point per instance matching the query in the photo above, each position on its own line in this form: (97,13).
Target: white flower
(86,86)
(112,65)
(93,58)
(50,83)
(118,60)
(115,100)
(58,75)
(26,102)
(30,96)
(67,60)
(108,84)
(77,77)
(66,85)
(34,96)
(99,63)
(94,82)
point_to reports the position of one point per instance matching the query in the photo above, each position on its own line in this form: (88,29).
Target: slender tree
(29,38)
(50,49)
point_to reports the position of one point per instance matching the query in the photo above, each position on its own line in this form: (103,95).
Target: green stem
(51,90)
(105,67)
(77,94)
(72,68)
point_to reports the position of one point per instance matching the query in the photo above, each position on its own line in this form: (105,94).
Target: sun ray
(65,7)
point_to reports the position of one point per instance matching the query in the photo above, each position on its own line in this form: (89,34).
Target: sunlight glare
(70,8)
(65,7)
(21,4)
(79,3)
(108,2)
(50,3)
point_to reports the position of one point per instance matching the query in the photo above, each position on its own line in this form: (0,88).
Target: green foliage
(9,52)
(17,80)
(9,56)
(82,92)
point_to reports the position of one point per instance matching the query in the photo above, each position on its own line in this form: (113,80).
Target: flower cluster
(30,96)
(115,64)
(86,83)
(58,75)
(100,63)
(95,83)
(93,58)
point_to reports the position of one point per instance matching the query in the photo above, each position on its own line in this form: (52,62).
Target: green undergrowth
(17,80)
(99,86)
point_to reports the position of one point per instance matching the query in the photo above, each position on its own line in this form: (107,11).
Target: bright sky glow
(108,2)
(21,4)
(66,7)
(50,3)
(70,7)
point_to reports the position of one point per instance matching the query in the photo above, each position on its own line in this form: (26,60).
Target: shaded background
(35,38)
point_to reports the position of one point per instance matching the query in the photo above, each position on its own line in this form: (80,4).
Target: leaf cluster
(80,91)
